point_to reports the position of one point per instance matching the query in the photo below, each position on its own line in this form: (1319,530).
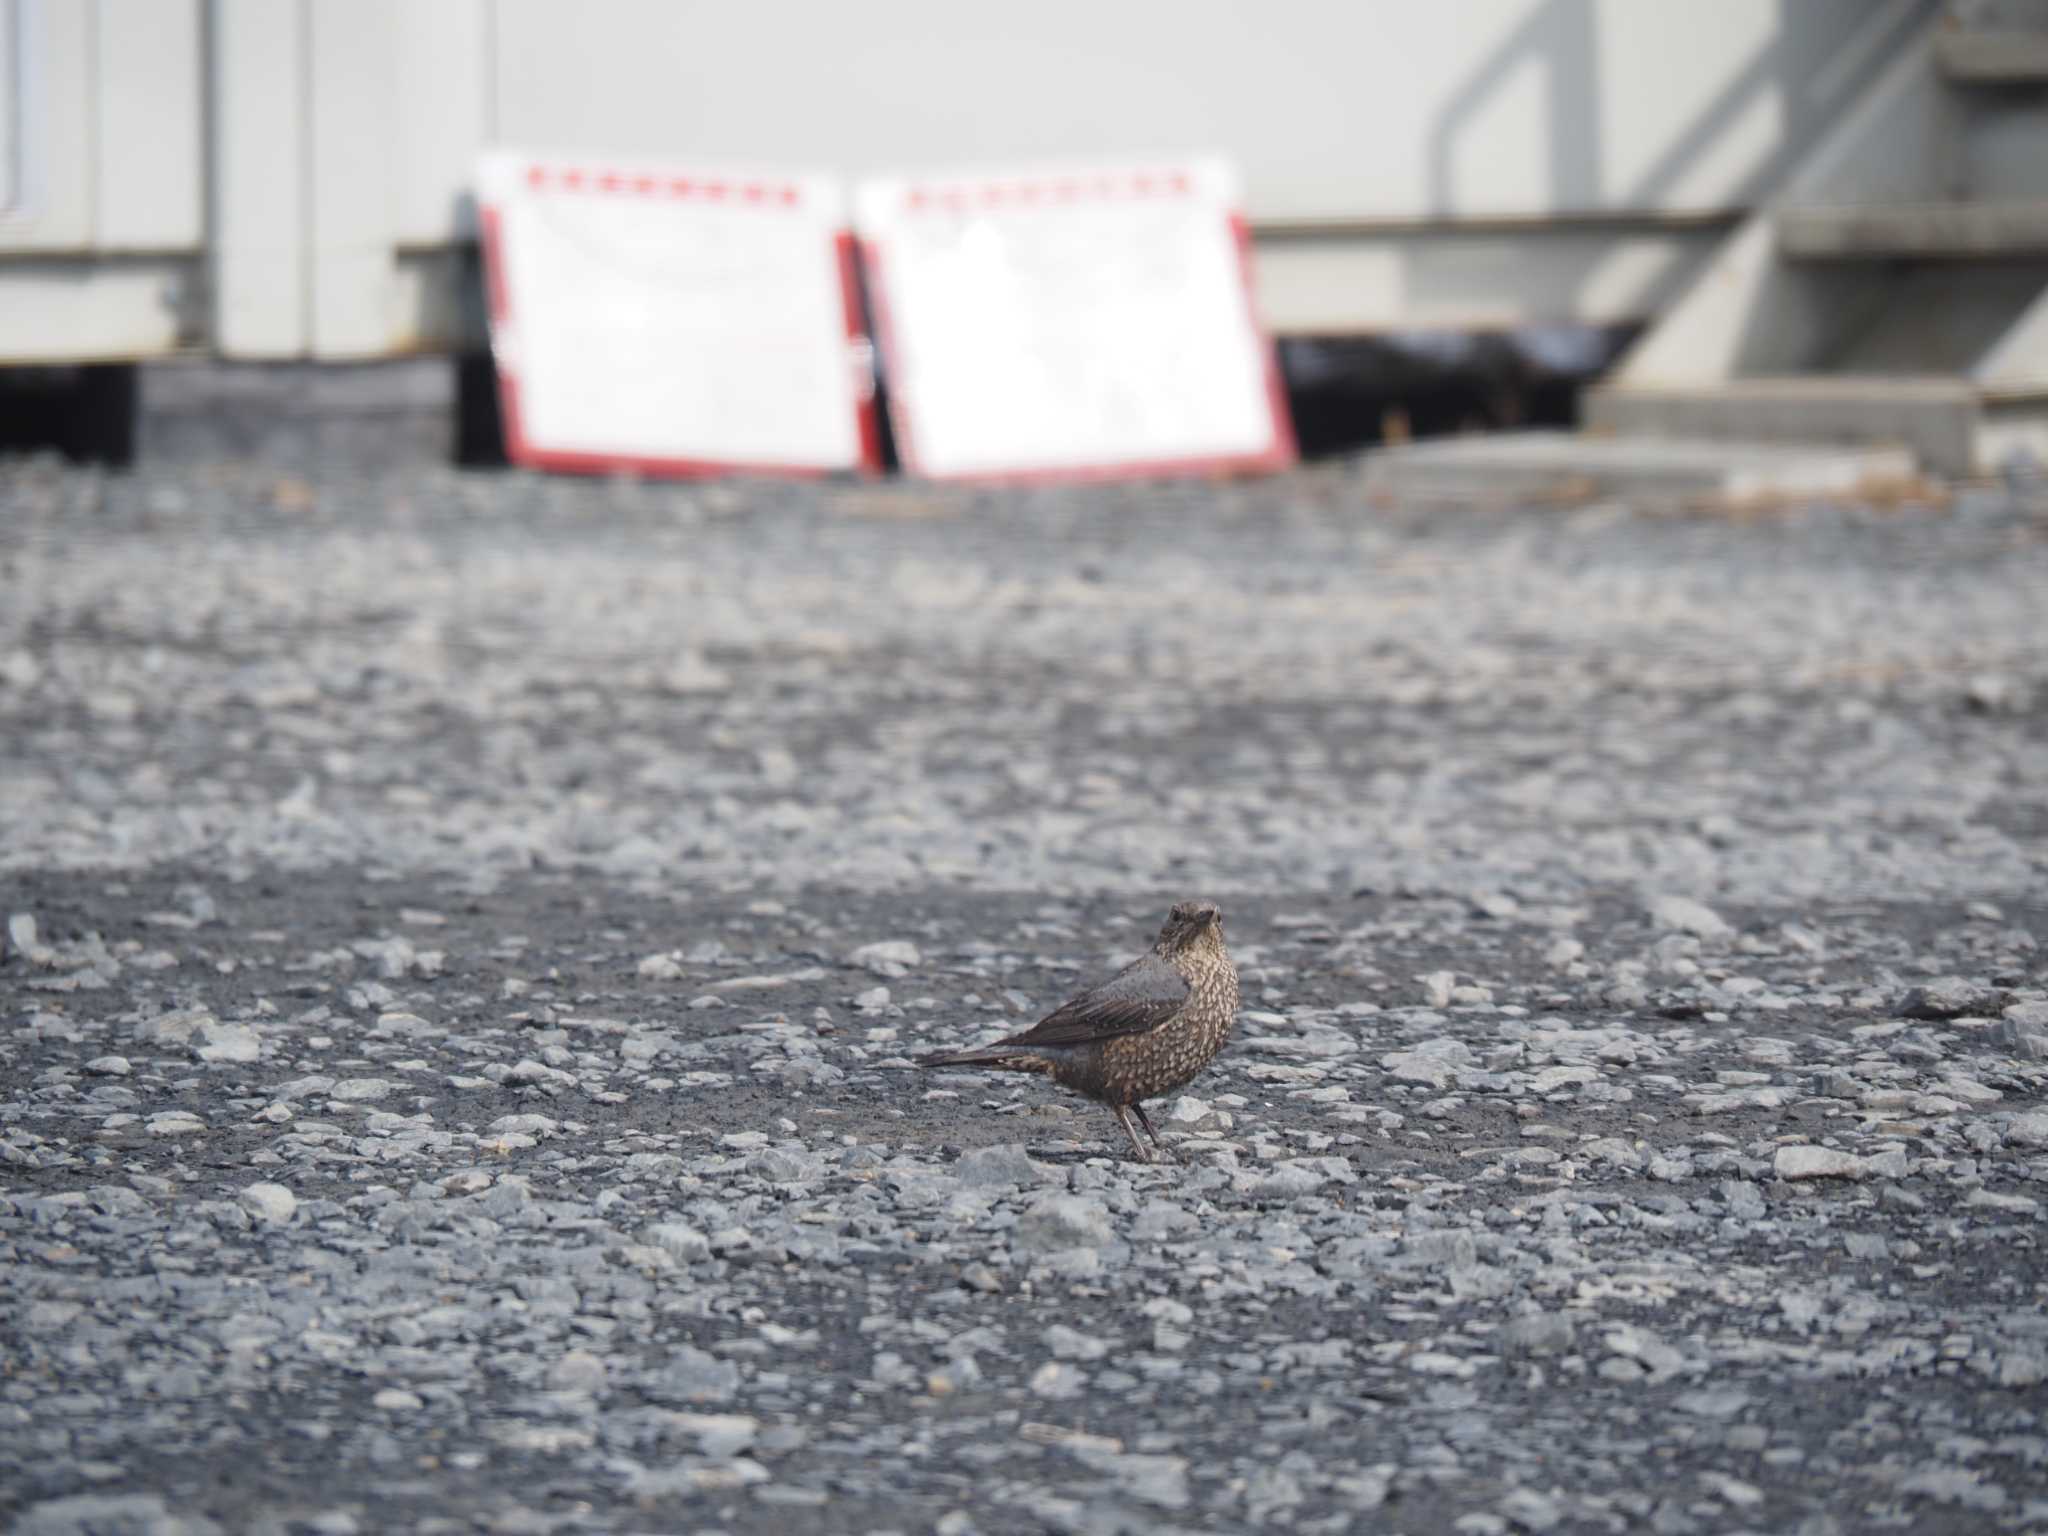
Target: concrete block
(1582,466)
(2017,56)
(1923,231)
(1934,419)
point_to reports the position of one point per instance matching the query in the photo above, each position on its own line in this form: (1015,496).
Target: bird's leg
(1146,1121)
(1123,1118)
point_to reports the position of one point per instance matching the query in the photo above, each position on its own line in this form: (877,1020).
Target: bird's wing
(1139,998)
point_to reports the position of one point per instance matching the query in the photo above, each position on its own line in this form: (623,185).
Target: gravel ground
(464,935)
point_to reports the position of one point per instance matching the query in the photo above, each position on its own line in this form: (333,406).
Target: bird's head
(1191,925)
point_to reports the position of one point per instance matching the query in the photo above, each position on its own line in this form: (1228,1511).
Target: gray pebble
(271,1203)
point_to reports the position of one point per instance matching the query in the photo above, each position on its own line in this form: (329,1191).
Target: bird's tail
(1005,1058)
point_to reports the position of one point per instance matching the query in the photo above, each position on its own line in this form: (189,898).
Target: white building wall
(1373,109)
(1483,162)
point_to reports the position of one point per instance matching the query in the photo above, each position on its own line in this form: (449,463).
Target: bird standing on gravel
(1144,1032)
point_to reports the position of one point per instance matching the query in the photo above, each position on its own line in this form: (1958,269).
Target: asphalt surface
(466,934)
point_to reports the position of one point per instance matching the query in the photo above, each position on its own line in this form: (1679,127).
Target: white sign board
(1071,324)
(674,321)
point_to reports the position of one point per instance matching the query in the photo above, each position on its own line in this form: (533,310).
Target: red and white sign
(673,320)
(1076,324)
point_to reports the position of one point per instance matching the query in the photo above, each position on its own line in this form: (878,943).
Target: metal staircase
(1896,288)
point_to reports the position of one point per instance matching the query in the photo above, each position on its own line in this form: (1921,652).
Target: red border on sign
(885,338)
(856,335)
(523,451)
(1281,451)
(1284,446)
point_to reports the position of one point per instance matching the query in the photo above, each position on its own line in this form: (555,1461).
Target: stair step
(1929,231)
(1951,425)
(1993,57)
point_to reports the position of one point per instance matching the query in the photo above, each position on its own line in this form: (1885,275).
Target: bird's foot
(1123,1118)
(1146,1121)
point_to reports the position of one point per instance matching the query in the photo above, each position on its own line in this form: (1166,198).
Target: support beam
(351,223)
(258,158)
